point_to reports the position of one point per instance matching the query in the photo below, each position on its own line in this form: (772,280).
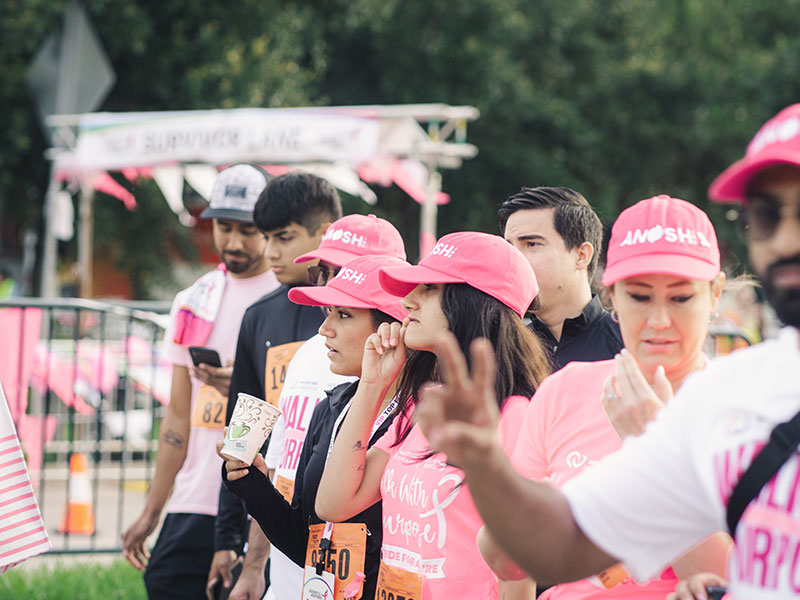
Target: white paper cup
(251,423)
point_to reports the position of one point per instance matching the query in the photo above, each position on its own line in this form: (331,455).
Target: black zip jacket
(286,526)
(277,320)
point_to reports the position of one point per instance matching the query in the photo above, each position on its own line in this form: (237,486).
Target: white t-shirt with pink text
(197,483)
(666,490)
(430,523)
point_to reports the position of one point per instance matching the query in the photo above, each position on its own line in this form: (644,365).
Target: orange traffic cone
(79,512)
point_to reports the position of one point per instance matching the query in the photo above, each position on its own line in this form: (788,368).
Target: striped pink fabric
(22,532)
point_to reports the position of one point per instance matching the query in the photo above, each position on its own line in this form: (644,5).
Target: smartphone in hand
(208,356)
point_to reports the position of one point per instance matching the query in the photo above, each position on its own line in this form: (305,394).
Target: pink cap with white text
(357,235)
(662,235)
(777,142)
(486,262)
(355,286)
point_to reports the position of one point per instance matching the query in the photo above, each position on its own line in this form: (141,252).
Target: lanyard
(325,542)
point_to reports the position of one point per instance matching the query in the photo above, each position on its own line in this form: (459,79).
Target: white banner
(116,140)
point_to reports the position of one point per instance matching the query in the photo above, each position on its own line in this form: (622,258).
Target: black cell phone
(207,356)
(218,592)
(716,592)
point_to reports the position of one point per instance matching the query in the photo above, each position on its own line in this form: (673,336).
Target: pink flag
(22,532)
(20,328)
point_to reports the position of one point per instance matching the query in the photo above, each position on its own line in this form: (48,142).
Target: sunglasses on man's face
(761,216)
(320,274)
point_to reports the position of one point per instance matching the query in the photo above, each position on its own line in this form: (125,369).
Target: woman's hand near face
(630,402)
(384,355)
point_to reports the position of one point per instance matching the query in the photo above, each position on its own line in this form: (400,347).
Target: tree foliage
(620,99)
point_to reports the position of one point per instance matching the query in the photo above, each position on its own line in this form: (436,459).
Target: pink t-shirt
(565,430)
(197,484)
(430,523)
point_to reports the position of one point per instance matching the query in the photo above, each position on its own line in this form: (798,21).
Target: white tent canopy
(335,142)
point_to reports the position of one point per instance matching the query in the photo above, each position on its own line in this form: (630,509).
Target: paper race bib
(395,583)
(209,408)
(285,487)
(345,557)
(613,576)
(278,359)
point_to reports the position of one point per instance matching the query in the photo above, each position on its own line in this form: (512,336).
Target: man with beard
(561,236)
(208,314)
(669,488)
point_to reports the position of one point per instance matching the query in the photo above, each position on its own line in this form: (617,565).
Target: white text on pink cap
(668,234)
(351,276)
(445,250)
(346,237)
(782,131)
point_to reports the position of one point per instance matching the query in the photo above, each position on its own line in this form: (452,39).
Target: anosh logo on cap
(344,236)
(445,250)
(773,133)
(672,235)
(352,276)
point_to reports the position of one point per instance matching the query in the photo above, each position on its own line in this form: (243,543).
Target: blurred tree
(620,99)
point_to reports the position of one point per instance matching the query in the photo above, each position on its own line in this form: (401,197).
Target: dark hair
(574,218)
(522,362)
(297,197)
(378,317)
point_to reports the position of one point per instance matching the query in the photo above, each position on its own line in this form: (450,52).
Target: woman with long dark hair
(472,285)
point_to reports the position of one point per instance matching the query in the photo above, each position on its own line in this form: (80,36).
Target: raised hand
(459,417)
(636,403)
(384,355)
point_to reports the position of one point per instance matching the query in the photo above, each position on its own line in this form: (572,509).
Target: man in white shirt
(666,490)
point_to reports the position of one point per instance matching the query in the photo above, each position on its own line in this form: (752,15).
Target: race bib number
(278,359)
(395,583)
(345,557)
(285,487)
(209,408)
(613,576)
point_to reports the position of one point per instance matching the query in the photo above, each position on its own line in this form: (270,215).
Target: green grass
(115,581)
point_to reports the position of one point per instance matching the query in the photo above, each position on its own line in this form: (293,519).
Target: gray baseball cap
(235,193)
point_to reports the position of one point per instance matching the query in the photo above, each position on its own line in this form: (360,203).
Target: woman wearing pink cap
(356,305)
(474,285)
(663,276)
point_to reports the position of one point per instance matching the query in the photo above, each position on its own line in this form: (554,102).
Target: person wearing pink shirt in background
(473,285)
(664,279)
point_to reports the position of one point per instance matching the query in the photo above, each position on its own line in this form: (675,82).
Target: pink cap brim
(332,255)
(399,281)
(730,186)
(667,264)
(325,296)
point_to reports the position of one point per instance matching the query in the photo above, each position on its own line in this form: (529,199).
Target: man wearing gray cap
(207,314)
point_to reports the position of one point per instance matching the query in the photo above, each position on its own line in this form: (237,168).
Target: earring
(614,316)
(714,316)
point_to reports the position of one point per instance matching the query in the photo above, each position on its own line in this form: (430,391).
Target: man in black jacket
(562,237)
(293,213)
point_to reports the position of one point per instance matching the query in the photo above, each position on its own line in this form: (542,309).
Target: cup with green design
(251,423)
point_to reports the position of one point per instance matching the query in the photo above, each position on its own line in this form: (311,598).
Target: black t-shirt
(285,525)
(591,336)
(277,320)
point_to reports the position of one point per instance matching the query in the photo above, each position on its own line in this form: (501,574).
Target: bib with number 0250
(278,358)
(209,408)
(346,555)
(395,583)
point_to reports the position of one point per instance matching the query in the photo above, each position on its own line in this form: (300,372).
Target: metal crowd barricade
(85,377)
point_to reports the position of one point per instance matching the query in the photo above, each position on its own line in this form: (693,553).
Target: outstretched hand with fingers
(459,417)
(636,403)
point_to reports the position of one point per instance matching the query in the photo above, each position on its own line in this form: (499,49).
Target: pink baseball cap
(486,262)
(777,142)
(357,235)
(356,286)
(662,235)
